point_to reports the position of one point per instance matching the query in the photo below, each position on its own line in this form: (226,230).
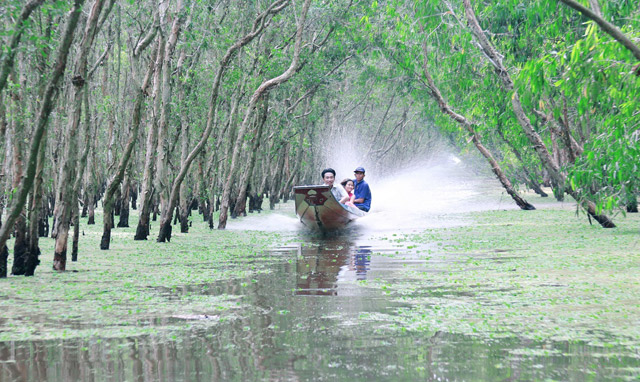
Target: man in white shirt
(329,177)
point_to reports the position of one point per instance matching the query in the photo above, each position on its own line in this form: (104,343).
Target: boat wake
(426,196)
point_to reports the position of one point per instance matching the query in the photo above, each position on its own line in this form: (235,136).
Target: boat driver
(362,191)
(329,177)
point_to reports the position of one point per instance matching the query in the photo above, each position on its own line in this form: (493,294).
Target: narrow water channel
(311,317)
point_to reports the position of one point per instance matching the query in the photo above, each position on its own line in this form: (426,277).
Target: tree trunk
(43,224)
(126,195)
(91,219)
(46,106)
(184,198)
(265,86)
(475,137)
(274,196)
(114,184)
(202,190)
(538,144)
(20,245)
(76,231)
(241,201)
(161,185)
(81,165)
(146,194)
(67,177)
(36,216)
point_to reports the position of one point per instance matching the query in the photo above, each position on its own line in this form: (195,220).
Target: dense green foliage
(571,76)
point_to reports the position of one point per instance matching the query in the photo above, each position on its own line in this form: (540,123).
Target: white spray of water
(426,195)
(410,200)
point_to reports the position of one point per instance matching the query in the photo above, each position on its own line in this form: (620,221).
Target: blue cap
(359,169)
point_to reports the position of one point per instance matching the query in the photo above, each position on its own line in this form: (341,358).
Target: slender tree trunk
(91,211)
(258,26)
(274,187)
(114,184)
(35,215)
(202,189)
(146,194)
(76,230)
(46,106)
(81,165)
(162,185)
(241,201)
(184,198)
(265,86)
(20,245)
(43,225)
(67,177)
(475,137)
(134,196)
(126,195)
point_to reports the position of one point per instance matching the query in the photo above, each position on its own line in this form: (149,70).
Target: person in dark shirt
(362,191)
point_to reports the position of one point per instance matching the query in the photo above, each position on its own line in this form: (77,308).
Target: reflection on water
(360,262)
(267,353)
(319,267)
(306,321)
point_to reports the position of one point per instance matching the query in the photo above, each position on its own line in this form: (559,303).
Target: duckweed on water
(543,275)
(136,287)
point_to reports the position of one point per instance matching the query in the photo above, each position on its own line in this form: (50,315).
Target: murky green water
(319,311)
(307,321)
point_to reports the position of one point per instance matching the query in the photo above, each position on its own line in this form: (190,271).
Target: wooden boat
(318,209)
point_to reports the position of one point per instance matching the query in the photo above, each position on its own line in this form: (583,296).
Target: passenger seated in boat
(329,177)
(348,187)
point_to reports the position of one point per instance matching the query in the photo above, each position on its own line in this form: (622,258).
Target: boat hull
(319,210)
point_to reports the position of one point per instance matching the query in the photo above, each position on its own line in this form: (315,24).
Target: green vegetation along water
(536,295)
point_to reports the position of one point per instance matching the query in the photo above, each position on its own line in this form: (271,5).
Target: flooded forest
(151,225)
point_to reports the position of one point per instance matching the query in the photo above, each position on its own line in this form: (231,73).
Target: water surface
(312,317)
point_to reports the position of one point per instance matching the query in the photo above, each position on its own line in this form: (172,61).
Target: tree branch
(611,29)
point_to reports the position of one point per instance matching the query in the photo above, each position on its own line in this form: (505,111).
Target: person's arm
(340,195)
(364,192)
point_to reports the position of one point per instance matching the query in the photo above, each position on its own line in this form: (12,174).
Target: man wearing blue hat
(362,191)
